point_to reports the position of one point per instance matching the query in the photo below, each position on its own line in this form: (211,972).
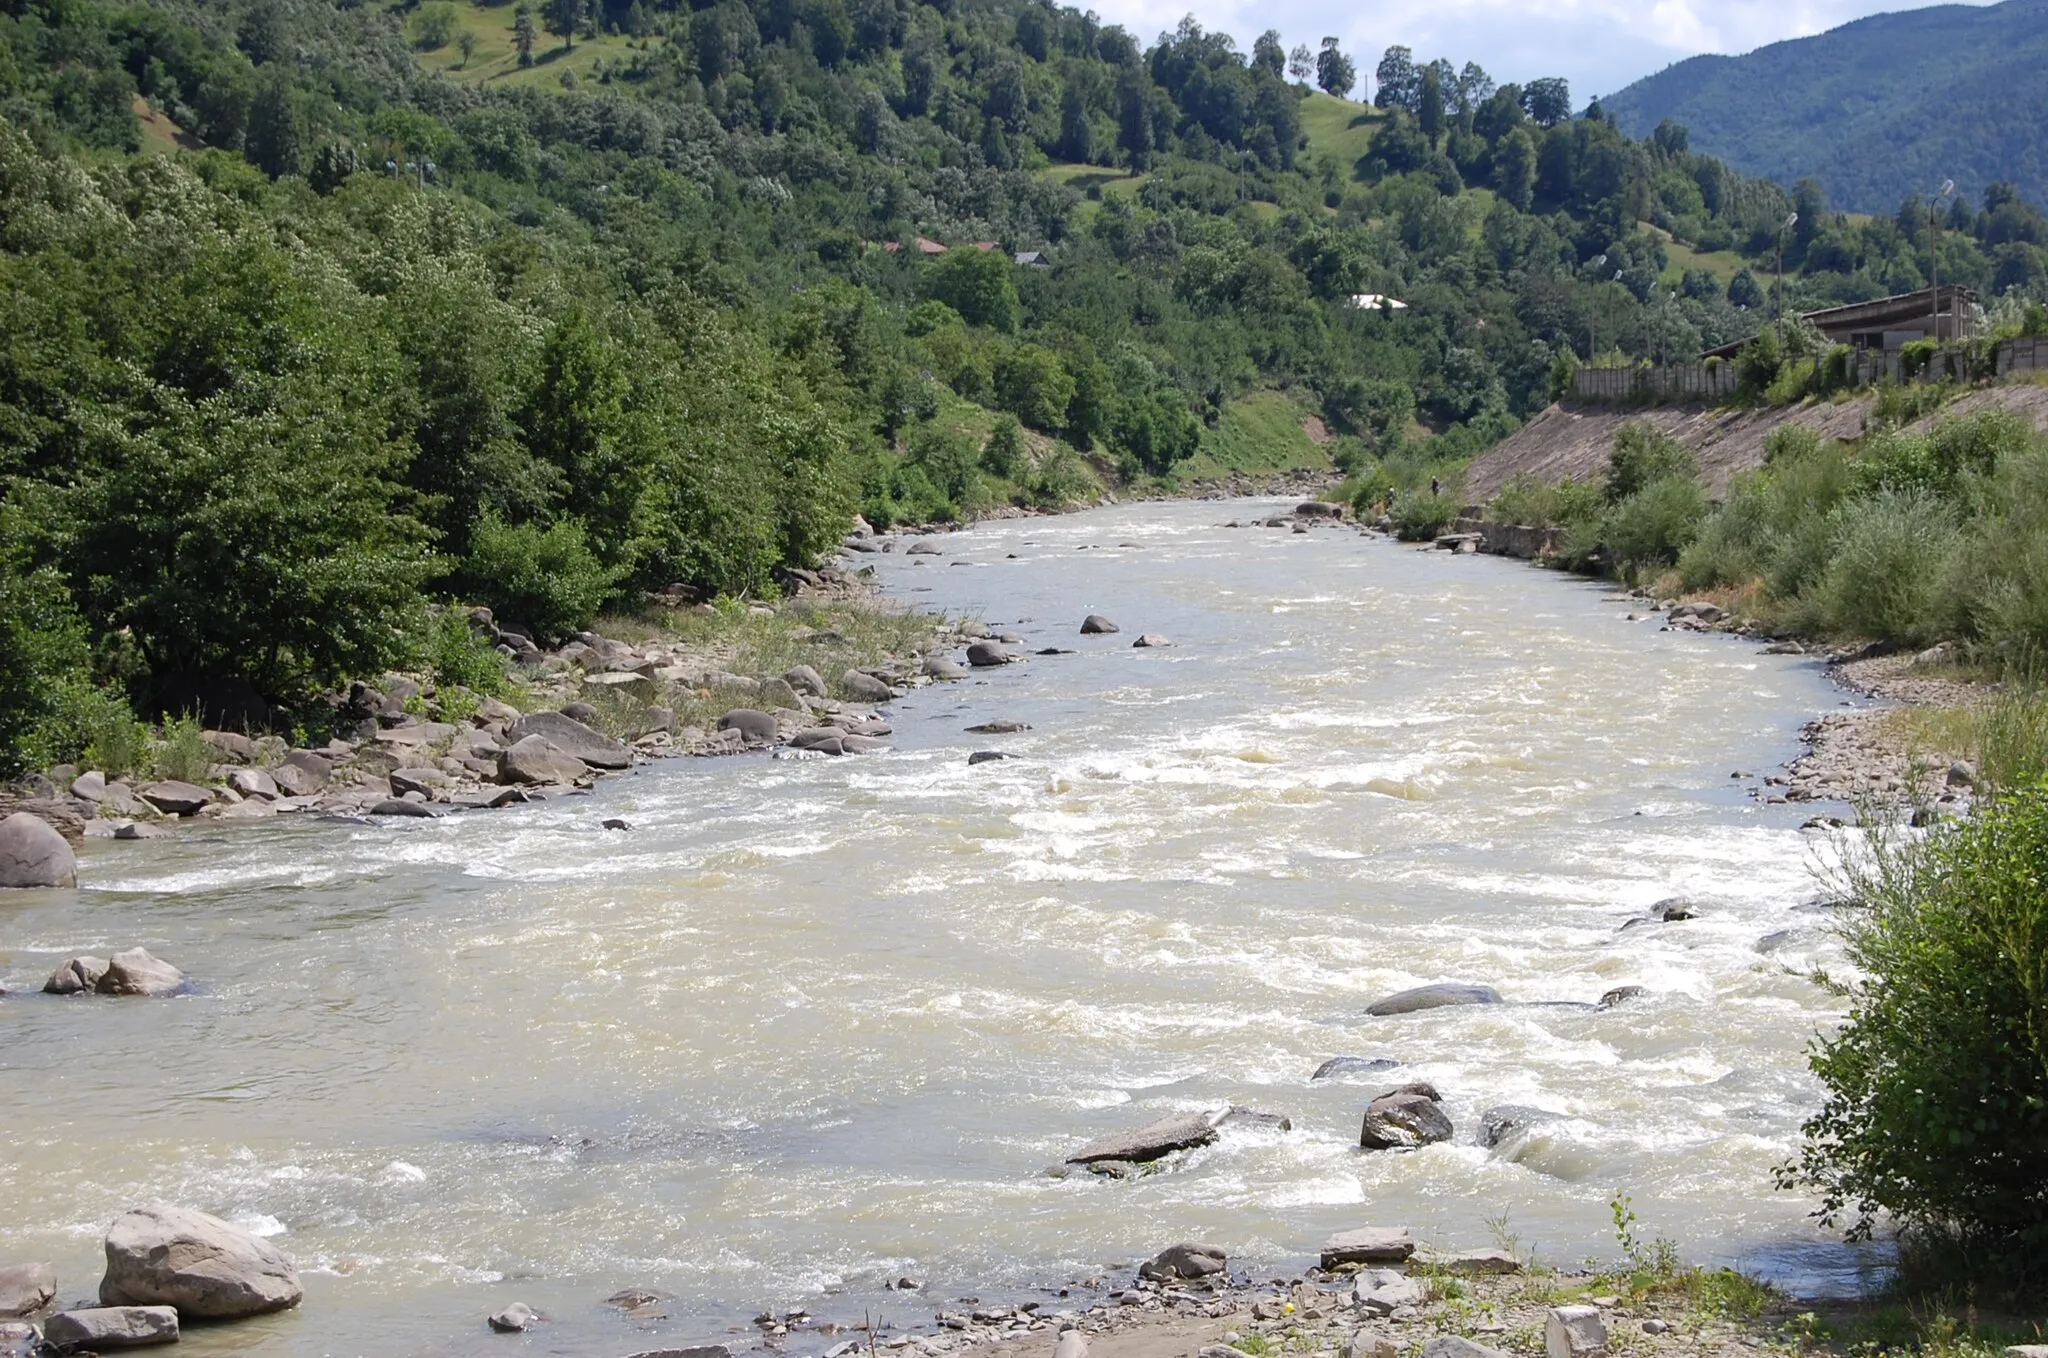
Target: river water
(815,1025)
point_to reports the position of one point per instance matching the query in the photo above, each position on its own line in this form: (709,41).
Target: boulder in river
(26,1289)
(986,757)
(207,1268)
(1338,1066)
(594,748)
(1151,639)
(99,1328)
(253,783)
(514,1319)
(137,972)
(999,728)
(32,854)
(1403,1121)
(1433,997)
(755,727)
(1095,625)
(1187,1260)
(939,667)
(1498,1124)
(987,655)
(404,807)
(78,976)
(1176,1132)
(1621,994)
(536,759)
(90,786)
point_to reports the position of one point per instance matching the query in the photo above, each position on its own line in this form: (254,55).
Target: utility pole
(1592,341)
(1948,186)
(1790,222)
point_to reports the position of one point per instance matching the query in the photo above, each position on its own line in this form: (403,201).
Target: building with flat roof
(1948,312)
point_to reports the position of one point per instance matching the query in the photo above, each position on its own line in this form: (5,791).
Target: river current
(815,1025)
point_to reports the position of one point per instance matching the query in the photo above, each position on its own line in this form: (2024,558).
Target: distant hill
(1876,109)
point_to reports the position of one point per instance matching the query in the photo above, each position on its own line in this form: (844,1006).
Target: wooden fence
(1716,381)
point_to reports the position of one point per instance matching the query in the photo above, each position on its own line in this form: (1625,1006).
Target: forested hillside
(316,315)
(1878,110)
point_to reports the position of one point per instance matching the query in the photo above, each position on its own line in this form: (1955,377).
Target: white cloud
(1598,45)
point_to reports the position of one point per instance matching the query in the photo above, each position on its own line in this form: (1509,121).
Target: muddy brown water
(815,1025)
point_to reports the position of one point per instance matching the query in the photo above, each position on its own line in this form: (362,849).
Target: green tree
(274,143)
(1429,111)
(1077,130)
(979,284)
(1269,54)
(1032,384)
(563,18)
(1335,73)
(523,35)
(1514,169)
(1400,85)
(1548,101)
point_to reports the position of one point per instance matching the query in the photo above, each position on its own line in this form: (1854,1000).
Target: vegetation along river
(815,1025)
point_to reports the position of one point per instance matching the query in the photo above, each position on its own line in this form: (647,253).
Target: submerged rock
(1095,625)
(137,972)
(1440,996)
(78,976)
(26,1289)
(111,1327)
(1338,1066)
(1180,1131)
(1403,1121)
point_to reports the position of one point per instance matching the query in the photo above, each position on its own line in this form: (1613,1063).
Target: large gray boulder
(1338,1067)
(987,655)
(1498,1124)
(303,773)
(1403,1122)
(536,759)
(570,736)
(175,798)
(32,854)
(864,688)
(1185,1260)
(79,976)
(1368,1245)
(26,1289)
(1179,1131)
(111,1327)
(755,727)
(939,667)
(805,680)
(138,972)
(1434,997)
(1457,1346)
(1095,625)
(207,1268)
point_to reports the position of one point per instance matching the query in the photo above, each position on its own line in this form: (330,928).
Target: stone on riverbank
(754,726)
(1188,1260)
(572,737)
(1071,1344)
(864,688)
(1457,1346)
(988,655)
(175,798)
(111,1327)
(1403,1121)
(26,1289)
(32,854)
(1439,996)
(1368,1245)
(90,786)
(536,760)
(1473,1262)
(1381,1291)
(939,667)
(205,1267)
(805,680)
(1179,1131)
(1575,1332)
(137,972)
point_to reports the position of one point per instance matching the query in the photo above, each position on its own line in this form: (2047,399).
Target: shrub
(1888,551)
(1062,479)
(1419,517)
(1794,381)
(434,25)
(182,753)
(1937,1085)
(545,578)
(1654,525)
(1003,454)
(1643,454)
(456,655)
(1914,356)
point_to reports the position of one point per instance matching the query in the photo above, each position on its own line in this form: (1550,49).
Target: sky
(1598,45)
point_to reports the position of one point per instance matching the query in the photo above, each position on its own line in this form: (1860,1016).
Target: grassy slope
(1338,129)
(496,60)
(1258,432)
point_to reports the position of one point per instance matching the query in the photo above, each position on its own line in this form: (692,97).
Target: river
(815,1025)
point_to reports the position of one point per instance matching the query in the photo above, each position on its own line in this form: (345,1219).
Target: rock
(1352,1065)
(255,808)
(402,807)
(1403,1122)
(1420,1088)
(1186,1260)
(1070,1344)
(1655,1326)
(536,759)
(137,972)
(581,712)
(1672,909)
(1457,1346)
(426,782)
(986,757)
(111,1327)
(1180,1131)
(805,680)
(174,798)
(1575,1332)
(924,549)
(208,1268)
(864,688)
(34,855)
(89,786)
(1151,639)
(253,783)
(987,655)
(495,710)
(1368,1344)
(1383,1291)
(572,737)
(1475,1262)
(1621,994)
(694,1351)
(1095,625)
(999,728)
(1433,997)
(140,830)
(26,1289)
(755,727)
(1962,773)
(939,667)
(303,773)
(625,683)
(1369,1245)
(852,743)
(1498,1124)
(514,1319)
